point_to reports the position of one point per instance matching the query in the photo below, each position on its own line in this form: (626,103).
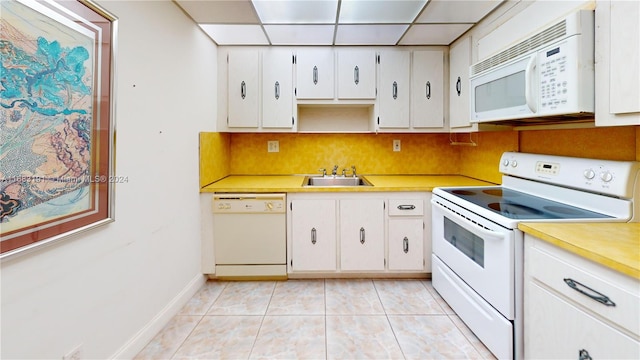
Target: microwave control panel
(555,77)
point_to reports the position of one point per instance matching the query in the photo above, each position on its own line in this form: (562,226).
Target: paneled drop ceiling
(336,22)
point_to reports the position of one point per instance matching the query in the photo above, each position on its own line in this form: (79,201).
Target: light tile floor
(316,319)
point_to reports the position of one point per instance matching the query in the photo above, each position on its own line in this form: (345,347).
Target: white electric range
(478,249)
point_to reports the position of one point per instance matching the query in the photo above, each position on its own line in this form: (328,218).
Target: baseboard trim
(137,342)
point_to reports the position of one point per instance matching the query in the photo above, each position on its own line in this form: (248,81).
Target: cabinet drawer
(559,270)
(406,207)
(571,332)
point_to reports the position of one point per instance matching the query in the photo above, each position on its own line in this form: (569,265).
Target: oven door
(479,251)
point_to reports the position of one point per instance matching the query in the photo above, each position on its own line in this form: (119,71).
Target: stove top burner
(464,192)
(494,192)
(514,210)
(519,205)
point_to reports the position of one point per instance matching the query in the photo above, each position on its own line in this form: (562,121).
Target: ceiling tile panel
(233,34)
(300,34)
(296,11)
(376,11)
(369,34)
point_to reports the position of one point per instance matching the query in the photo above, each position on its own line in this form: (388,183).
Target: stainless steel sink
(335,181)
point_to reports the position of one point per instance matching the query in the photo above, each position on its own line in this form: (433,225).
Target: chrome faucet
(334,172)
(353,170)
(323,171)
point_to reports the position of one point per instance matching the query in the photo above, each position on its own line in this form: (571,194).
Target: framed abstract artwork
(57,132)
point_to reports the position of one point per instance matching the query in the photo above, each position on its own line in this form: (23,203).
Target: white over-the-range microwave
(546,76)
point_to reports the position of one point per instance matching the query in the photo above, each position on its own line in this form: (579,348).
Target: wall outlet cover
(273,146)
(396,145)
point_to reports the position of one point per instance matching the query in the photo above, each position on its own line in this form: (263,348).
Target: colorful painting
(56,131)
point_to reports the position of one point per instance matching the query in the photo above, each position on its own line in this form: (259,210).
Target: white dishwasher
(250,235)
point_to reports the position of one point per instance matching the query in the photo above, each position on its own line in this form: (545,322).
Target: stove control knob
(589,174)
(514,163)
(606,176)
(505,162)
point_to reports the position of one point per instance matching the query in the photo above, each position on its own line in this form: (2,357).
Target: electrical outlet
(273,146)
(396,145)
(75,354)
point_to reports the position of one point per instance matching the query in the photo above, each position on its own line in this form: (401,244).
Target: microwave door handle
(530,78)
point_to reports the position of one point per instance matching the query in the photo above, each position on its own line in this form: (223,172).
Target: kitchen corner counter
(293,183)
(614,245)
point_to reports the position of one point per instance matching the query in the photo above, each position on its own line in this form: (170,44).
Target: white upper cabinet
(315,73)
(243,88)
(393,89)
(617,58)
(427,89)
(459,62)
(277,89)
(356,74)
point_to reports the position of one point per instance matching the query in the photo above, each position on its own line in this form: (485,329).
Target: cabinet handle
(459,85)
(395,90)
(584,355)
(362,235)
(405,244)
(313,236)
(243,89)
(277,90)
(599,297)
(356,75)
(315,75)
(406,207)
(428,90)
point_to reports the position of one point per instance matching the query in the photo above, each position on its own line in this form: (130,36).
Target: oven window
(467,242)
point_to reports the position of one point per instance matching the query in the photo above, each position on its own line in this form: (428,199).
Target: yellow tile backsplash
(370,153)
(222,154)
(214,157)
(610,143)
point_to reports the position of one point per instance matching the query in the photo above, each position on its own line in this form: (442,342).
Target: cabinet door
(393,89)
(313,225)
(356,74)
(459,62)
(556,329)
(362,234)
(277,89)
(406,244)
(315,74)
(427,89)
(243,88)
(617,63)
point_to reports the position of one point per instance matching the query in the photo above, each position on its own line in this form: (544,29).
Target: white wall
(111,289)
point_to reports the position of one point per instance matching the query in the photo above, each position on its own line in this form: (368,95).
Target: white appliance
(548,75)
(478,251)
(250,235)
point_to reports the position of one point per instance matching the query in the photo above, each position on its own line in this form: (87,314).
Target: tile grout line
(173,355)
(255,340)
(395,336)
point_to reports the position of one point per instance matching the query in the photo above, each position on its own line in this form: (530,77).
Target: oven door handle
(486,233)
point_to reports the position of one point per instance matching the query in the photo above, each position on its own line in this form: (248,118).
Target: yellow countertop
(293,183)
(614,245)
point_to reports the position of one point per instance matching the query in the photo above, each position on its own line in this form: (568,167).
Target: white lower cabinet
(575,308)
(406,244)
(362,234)
(331,233)
(313,229)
